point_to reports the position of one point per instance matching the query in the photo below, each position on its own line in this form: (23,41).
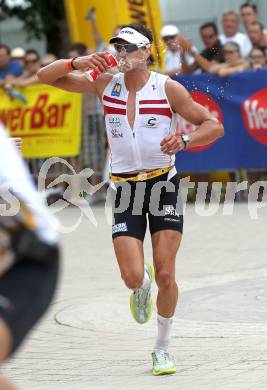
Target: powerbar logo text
(40,115)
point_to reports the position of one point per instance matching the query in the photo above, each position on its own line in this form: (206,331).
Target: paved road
(88,340)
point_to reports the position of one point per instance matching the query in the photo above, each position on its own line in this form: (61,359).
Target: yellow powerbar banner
(49,123)
(111,13)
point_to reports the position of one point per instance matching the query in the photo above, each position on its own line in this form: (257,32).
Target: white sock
(164,333)
(146,280)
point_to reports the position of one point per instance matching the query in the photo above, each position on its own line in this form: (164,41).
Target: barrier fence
(240,102)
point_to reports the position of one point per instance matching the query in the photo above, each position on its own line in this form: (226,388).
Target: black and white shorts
(157,198)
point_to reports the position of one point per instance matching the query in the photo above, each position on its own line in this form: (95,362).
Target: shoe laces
(161,357)
(141,296)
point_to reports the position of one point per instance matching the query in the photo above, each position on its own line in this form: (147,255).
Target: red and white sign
(254,112)
(184,126)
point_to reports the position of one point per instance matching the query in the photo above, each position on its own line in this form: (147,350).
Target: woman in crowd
(257,58)
(233,61)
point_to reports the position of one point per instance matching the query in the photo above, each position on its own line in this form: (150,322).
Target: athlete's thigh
(165,244)
(128,232)
(130,255)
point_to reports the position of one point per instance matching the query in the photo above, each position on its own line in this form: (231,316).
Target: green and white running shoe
(141,302)
(162,365)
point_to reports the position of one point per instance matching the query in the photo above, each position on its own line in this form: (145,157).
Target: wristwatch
(186,139)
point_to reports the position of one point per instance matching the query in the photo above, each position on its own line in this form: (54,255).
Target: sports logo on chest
(116,133)
(116,91)
(151,122)
(115,127)
(114,122)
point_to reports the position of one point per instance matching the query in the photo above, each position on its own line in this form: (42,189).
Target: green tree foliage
(40,18)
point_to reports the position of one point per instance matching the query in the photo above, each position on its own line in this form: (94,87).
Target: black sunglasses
(208,36)
(31,61)
(128,47)
(169,37)
(225,51)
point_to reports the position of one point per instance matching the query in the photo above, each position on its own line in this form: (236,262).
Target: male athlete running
(140,111)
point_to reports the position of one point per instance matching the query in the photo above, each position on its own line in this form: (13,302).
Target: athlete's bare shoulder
(176,93)
(173,86)
(101,83)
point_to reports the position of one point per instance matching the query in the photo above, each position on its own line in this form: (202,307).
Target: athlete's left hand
(172,144)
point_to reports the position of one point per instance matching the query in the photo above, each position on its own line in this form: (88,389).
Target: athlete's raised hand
(95,61)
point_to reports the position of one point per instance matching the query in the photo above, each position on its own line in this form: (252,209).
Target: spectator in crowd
(257,35)
(100,44)
(233,61)
(230,24)
(176,45)
(32,65)
(18,54)
(77,49)
(8,67)
(249,14)
(257,58)
(212,54)
(47,59)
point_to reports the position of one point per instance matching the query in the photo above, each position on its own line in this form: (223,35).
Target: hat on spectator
(18,52)
(169,30)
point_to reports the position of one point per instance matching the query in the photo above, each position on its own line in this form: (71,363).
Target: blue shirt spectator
(13,68)
(8,67)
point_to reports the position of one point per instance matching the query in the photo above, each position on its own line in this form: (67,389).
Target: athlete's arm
(58,75)
(209,128)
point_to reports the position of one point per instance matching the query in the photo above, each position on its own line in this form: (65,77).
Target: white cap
(18,52)
(130,35)
(169,30)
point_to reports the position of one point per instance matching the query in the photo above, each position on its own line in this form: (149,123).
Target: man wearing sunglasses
(140,112)
(212,54)
(31,67)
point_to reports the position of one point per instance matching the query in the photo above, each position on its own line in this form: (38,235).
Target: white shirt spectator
(173,60)
(171,35)
(241,39)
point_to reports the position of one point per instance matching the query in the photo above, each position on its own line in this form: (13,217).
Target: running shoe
(141,302)
(162,365)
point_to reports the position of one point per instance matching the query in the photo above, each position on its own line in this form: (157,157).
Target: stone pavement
(88,340)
